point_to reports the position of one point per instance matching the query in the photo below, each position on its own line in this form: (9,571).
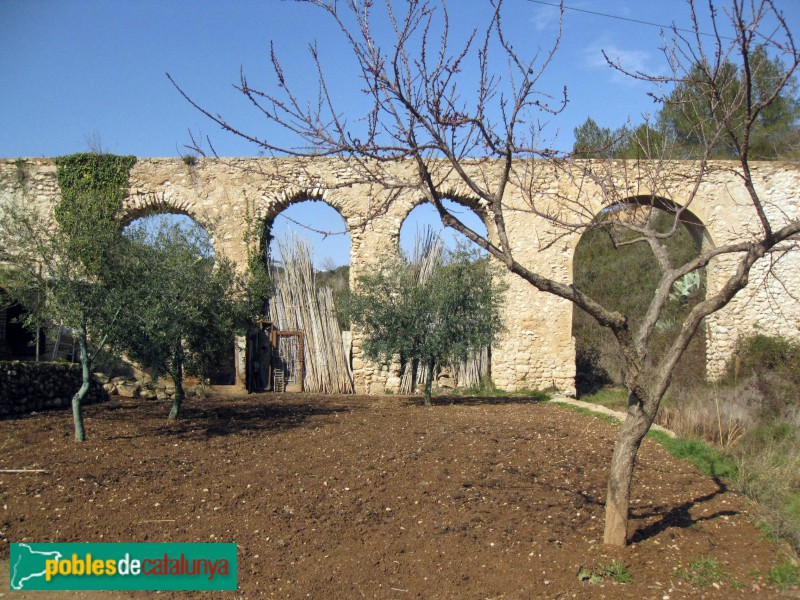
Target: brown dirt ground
(365,497)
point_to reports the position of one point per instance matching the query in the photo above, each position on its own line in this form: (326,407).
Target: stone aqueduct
(537,350)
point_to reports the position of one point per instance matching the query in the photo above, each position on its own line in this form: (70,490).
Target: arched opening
(424,217)
(146,227)
(424,239)
(18,342)
(319,223)
(622,274)
(304,344)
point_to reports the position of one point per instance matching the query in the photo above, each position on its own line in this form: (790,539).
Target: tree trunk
(86,378)
(429,382)
(177,399)
(620,476)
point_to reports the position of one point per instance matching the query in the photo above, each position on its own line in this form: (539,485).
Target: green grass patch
(708,460)
(702,572)
(769,459)
(784,575)
(487,389)
(539,395)
(610,397)
(613,571)
(705,457)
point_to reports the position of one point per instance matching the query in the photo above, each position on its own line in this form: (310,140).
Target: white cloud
(545,18)
(632,60)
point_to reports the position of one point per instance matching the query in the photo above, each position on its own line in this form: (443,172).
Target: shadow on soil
(472,400)
(278,413)
(237,420)
(222,416)
(679,516)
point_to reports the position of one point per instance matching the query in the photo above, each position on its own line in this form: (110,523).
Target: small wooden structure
(276,359)
(287,361)
(298,306)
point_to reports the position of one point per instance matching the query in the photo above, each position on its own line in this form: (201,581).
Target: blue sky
(81,70)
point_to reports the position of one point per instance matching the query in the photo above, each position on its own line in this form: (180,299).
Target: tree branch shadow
(679,516)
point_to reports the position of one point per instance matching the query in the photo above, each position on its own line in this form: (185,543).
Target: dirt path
(351,497)
(603,410)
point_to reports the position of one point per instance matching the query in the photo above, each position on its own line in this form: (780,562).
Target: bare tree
(481,129)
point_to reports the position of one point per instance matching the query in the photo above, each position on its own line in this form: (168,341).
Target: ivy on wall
(88,173)
(256,239)
(92,189)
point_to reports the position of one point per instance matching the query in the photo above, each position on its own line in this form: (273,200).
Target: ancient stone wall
(763,306)
(537,350)
(30,386)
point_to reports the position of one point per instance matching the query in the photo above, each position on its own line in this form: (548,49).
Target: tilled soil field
(365,497)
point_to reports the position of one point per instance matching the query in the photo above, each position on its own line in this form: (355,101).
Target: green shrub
(769,472)
(773,364)
(763,352)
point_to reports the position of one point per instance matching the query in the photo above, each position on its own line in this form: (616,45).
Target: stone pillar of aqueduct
(537,350)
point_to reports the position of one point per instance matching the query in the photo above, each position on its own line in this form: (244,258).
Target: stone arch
(148,204)
(454,196)
(419,211)
(327,340)
(693,223)
(341,203)
(153,203)
(593,349)
(296,196)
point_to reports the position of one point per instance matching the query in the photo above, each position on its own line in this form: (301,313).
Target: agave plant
(684,287)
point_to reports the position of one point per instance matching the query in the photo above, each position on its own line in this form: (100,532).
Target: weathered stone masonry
(29,386)
(538,350)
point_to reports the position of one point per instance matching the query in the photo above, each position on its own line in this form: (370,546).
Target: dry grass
(711,413)
(769,471)
(754,419)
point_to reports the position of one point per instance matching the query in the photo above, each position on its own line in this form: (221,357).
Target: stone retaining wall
(30,386)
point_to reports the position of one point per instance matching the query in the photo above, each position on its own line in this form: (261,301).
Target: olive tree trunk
(429,382)
(177,378)
(86,379)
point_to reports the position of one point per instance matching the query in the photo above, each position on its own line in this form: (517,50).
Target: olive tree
(439,308)
(484,132)
(183,305)
(62,280)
